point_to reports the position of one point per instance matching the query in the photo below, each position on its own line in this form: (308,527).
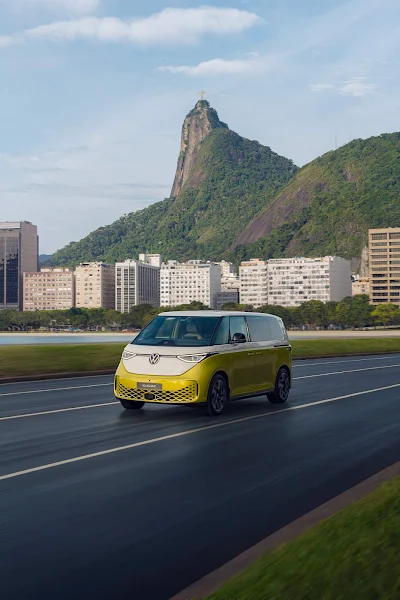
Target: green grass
(35,360)
(351,556)
(47,359)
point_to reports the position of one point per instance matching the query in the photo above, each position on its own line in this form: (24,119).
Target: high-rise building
(194,281)
(19,249)
(152,259)
(95,285)
(253,277)
(137,282)
(227,296)
(49,289)
(293,281)
(384,265)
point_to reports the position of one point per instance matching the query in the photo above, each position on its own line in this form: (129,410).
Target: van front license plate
(152,387)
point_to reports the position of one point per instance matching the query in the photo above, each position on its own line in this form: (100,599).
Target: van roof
(214,313)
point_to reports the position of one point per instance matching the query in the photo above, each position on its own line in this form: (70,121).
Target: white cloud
(321,87)
(219,66)
(172,25)
(73,6)
(357,87)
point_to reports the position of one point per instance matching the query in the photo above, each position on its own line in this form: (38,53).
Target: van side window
(222,335)
(276,330)
(238,325)
(259,327)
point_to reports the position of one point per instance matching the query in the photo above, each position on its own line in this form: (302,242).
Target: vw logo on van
(154,359)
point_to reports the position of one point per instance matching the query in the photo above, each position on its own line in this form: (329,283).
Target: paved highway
(99,502)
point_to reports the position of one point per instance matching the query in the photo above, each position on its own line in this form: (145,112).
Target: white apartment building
(137,282)
(194,281)
(49,289)
(253,277)
(293,281)
(95,285)
(229,277)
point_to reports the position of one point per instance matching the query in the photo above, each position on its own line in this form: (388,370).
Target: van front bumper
(167,390)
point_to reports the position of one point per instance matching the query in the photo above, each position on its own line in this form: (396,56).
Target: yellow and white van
(206,357)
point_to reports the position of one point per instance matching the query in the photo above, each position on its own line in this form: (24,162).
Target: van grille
(184,395)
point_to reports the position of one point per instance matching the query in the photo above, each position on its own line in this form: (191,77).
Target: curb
(49,376)
(211,582)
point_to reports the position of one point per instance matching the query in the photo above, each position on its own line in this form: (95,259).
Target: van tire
(131,404)
(282,387)
(218,395)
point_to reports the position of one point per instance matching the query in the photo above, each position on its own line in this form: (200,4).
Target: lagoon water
(63,338)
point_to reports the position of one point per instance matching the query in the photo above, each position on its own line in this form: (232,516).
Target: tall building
(227,296)
(95,285)
(384,265)
(137,282)
(49,289)
(152,259)
(253,277)
(19,249)
(194,281)
(293,281)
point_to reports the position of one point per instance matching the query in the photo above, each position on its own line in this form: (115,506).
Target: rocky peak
(198,125)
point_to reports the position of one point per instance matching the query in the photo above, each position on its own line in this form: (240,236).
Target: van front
(171,361)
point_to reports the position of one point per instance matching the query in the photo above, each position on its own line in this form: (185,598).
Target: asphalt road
(144,504)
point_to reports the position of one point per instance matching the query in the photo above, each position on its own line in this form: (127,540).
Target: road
(144,504)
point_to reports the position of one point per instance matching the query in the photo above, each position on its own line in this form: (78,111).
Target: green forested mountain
(328,207)
(222,182)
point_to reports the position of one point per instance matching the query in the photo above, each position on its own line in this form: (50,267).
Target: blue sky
(94,92)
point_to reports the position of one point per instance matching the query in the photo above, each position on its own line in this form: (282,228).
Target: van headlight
(193,358)
(126,354)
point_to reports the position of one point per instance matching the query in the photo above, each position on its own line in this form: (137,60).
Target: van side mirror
(238,338)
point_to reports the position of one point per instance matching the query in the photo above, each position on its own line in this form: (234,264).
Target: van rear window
(264,329)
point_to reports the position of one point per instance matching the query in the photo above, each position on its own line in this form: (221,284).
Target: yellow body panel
(249,371)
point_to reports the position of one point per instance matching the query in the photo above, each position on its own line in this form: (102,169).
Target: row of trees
(349,313)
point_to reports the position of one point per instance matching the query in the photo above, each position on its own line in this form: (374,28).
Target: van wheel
(218,395)
(131,404)
(282,387)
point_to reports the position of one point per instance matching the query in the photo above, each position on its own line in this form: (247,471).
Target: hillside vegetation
(328,207)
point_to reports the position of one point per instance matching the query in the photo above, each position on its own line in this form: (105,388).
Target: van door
(264,352)
(242,359)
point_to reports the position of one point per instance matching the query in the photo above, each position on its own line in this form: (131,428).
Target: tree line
(349,313)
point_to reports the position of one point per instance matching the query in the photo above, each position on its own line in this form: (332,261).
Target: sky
(94,93)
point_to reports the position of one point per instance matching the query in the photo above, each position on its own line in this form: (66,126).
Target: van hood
(161,360)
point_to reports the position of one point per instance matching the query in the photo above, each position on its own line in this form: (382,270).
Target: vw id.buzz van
(206,358)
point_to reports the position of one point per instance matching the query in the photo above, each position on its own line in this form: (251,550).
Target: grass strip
(78,358)
(352,555)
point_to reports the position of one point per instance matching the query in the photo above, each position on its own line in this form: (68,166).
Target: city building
(253,277)
(19,249)
(293,281)
(194,281)
(384,265)
(95,285)
(152,259)
(227,296)
(229,277)
(49,289)
(360,285)
(137,282)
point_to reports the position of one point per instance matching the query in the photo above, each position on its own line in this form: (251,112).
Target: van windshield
(178,331)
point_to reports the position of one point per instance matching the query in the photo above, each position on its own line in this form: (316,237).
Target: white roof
(213,313)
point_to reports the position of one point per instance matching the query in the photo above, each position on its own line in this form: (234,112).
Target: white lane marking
(337,362)
(58,410)
(173,436)
(350,371)
(75,387)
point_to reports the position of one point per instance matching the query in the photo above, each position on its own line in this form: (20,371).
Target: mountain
(330,204)
(43,258)
(222,182)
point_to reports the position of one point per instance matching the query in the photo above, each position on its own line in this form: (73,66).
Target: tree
(387,314)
